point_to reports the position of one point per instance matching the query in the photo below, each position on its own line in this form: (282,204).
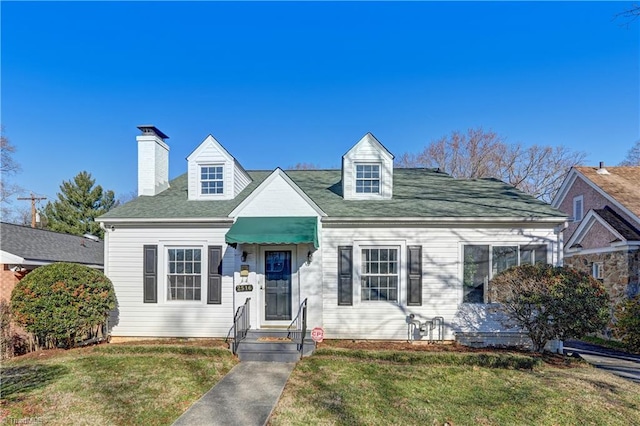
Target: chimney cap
(150,129)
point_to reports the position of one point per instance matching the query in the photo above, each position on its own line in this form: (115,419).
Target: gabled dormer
(367,171)
(213,173)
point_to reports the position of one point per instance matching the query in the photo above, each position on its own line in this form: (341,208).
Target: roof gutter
(225,220)
(441,220)
(37,262)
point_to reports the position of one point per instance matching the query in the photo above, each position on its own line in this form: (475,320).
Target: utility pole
(33,199)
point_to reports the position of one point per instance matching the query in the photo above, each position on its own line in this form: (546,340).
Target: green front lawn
(357,387)
(144,383)
(152,383)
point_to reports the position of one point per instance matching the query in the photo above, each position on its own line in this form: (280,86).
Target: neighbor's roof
(417,193)
(42,246)
(617,222)
(621,183)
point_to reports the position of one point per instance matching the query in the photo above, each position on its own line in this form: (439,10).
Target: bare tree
(537,170)
(304,166)
(633,156)
(22,216)
(629,15)
(125,198)
(8,168)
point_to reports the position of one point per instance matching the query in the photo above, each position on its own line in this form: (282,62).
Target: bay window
(483,262)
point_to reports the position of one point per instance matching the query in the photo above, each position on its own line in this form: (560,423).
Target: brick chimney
(153,161)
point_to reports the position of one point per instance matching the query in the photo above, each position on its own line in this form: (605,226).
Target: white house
(368,246)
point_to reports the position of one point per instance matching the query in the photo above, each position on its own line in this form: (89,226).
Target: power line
(33,199)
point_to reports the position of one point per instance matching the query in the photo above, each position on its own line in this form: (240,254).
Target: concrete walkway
(619,363)
(245,396)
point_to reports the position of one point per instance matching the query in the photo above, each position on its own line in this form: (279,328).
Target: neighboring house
(367,245)
(23,249)
(603,235)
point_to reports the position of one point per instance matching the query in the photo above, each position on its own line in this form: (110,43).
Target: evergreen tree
(78,204)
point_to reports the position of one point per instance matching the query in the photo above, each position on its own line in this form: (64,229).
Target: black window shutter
(150,272)
(345,275)
(414,275)
(214,280)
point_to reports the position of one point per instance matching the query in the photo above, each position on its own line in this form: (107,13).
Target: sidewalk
(619,363)
(245,396)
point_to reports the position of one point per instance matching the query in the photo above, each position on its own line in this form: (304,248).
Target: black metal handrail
(241,324)
(300,321)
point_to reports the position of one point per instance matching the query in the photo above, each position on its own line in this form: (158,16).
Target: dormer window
(367,171)
(367,178)
(214,174)
(211,180)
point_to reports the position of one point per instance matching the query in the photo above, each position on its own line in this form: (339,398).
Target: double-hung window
(379,273)
(184,277)
(367,178)
(483,262)
(211,180)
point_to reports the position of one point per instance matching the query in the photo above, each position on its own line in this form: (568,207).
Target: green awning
(273,230)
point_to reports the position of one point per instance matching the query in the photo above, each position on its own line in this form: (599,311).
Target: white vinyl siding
(240,180)
(278,198)
(442,290)
(124,266)
(442,270)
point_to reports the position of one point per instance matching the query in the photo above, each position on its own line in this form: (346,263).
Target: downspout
(105,245)
(106,328)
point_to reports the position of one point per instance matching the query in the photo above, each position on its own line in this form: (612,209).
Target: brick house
(22,249)
(603,235)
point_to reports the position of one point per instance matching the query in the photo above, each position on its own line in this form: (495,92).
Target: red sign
(317,334)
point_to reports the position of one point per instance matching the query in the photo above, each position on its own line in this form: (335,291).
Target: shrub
(13,341)
(5,330)
(62,301)
(551,302)
(627,326)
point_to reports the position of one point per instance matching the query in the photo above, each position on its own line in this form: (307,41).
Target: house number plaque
(244,287)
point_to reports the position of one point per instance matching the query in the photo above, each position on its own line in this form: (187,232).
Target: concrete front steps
(272,345)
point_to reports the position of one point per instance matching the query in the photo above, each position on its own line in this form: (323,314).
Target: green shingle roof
(419,193)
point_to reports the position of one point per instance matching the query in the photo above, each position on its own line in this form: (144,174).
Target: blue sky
(289,82)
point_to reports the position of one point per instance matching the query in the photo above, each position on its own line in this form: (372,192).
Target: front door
(277,277)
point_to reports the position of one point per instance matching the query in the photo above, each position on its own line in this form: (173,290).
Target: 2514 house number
(244,287)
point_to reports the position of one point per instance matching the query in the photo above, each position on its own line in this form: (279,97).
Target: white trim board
(278,172)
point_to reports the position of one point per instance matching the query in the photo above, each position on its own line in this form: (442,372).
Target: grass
(142,383)
(152,383)
(358,387)
(607,343)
